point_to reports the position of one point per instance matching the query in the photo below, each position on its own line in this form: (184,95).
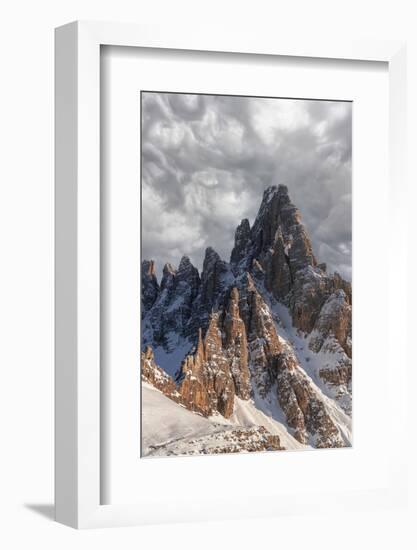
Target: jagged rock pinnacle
(278,219)
(169,269)
(148,267)
(184,263)
(150,287)
(242,241)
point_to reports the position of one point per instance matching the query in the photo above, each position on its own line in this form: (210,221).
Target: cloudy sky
(207,159)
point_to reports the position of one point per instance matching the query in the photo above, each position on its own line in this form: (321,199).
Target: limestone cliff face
(235,344)
(304,406)
(275,367)
(263,341)
(218,369)
(334,320)
(229,318)
(207,383)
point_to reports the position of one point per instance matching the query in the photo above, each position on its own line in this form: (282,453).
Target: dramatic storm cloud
(206,161)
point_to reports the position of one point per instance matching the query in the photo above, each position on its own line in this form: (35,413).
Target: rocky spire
(278,277)
(148,268)
(200,346)
(277,211)
(187,279)
(236,346)
(213,270)
(206,382)
(168,275)
(258,319)
(242,242)
(150,287)
(154,375)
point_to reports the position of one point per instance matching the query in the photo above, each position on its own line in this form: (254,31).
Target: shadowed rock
(150,287)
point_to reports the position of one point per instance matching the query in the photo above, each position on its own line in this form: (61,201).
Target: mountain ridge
(270,326)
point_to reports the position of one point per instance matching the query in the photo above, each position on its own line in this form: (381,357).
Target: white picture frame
(77,242)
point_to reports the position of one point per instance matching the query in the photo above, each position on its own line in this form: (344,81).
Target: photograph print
(246,251)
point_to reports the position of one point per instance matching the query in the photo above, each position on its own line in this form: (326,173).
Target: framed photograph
(227,320)
(256,348)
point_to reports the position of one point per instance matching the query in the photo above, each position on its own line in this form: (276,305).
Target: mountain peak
(188,274)
(148,268)
(185,263)
(244,225)
(278,212)
(211,253)
(210,258)
(269,192)
(150,287)
(242,241)
(169,269)
(273,190)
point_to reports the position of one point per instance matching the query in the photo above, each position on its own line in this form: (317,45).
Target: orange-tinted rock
(236,347)
(340,375)
(154,375)
(334,320)
(206,382)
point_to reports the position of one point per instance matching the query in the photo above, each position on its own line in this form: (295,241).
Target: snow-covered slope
(165,423)
(246,413)
(329,357)
(170,429)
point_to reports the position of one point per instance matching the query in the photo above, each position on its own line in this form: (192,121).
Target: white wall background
(26,270)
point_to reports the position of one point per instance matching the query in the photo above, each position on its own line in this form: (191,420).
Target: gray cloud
(207,159)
